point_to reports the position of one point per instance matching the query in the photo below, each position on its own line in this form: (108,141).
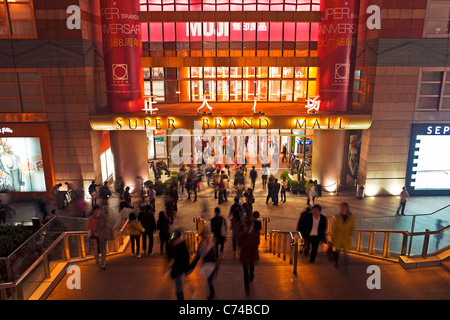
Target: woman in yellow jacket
(135,228)
(343,228)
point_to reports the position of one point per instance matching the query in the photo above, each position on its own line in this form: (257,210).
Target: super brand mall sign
(116,122)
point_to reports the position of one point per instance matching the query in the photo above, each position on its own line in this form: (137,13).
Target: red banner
(122,51)
(337,53)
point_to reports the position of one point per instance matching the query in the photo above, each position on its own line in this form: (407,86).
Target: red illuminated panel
(155,32)
(289,31)
(144,32)
(235,31)
(182,31)
(276,31)
(262,31)
(169,31)
(314,31)
(302,31)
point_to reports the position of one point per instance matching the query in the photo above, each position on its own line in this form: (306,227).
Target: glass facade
(16,19)
(272,84)
(231,39)
(230,5)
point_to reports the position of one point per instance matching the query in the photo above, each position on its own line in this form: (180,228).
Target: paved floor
(131,278)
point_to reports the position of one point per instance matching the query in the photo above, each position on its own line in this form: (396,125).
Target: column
(337,53)
(328,163)
(130,155)
(122,52)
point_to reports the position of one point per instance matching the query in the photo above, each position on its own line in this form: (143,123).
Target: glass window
(300,72)
(209,72)
(147,88)
(235,72)
(275,72)
(235,90)
(288,72)
(274,90)
(157,73)
(287,87)
(299,90)
(262,72)
(222,72)
(209,89)
(261,90)
(249,72)
(434,90)
(438,19)
(196,72)
(222,90)
(249,90)
(197,90)
(146,72)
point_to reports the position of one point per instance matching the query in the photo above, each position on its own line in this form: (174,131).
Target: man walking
(275,192)
(284,187)
(404,195)
(253,176)
(219,230)
(313,226)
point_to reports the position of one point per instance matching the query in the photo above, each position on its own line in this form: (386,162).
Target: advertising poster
(354,150)
(21,165)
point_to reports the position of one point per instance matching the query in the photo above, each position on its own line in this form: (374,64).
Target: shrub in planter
(11,238)
(285,174)
(148,184)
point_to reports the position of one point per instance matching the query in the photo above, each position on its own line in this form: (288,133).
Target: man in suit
(275,191)
(313,227)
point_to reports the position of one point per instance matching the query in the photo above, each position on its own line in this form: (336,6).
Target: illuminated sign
(6,130)
(131,122)
(313,105)
(428,169)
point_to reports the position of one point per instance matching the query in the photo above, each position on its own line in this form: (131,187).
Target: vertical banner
(354,151)
(337,53)
(122,51)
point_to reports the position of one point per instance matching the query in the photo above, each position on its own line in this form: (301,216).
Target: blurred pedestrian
(313,227)
(135,229)
(257,223)
(119,187)
(163,226)
(275,192)
(178,253)
(99,232)
(248,241)
(342,233)
(3,209)
(219,230)
(127,197)
(152,197)
(404,195)
(147,219)
(284,188)
(54,192)
(207,252)
(105,193)
(93,192)
(311,192)
(253,176)
(236,226)
(249,199)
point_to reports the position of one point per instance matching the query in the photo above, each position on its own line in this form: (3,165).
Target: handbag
(330,253)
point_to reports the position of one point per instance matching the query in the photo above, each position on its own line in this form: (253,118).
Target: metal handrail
(17,284)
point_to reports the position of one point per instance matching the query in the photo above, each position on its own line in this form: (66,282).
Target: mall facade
(94,93)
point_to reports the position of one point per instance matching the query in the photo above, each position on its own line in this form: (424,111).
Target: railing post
(19,291)
(412,231)
(46,267)
(83,246)
(270,241)
(284,246)
(404,244)
(265,228)
(279,245)
(372,234)
(385,244)
(295,256)
(426,240)
(358,242)
(66,251)
(290,253)
(9,270)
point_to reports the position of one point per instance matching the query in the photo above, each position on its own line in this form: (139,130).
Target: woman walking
(99,231)
(248,241)
(163,226)
(344,226)
(178,253)
(208,254)
(135,228)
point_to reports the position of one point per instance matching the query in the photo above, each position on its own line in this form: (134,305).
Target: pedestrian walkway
(145,278)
